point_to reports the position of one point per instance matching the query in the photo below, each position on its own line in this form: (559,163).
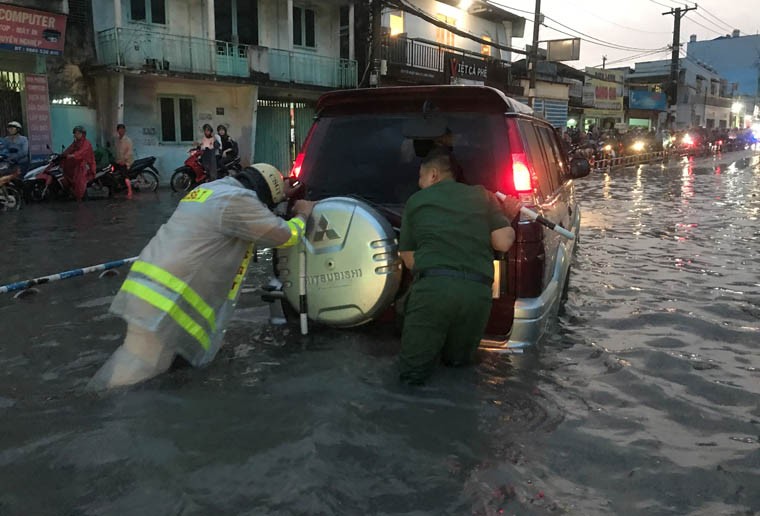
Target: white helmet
(14,124)
(274,180)
(252,176)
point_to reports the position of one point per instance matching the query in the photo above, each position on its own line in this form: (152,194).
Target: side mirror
(579,167)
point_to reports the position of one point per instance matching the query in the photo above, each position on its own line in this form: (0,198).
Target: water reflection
(687,182)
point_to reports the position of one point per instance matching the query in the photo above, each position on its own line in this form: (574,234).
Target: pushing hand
(301,207)
(510,206)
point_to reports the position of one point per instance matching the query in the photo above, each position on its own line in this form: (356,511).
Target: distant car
(361,160)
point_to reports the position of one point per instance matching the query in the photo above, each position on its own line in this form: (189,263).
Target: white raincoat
(184,286)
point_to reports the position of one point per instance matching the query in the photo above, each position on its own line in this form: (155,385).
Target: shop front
(27,37)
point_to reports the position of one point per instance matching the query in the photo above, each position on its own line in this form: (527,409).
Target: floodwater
(644,400)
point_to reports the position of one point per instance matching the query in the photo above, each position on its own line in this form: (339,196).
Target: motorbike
(47,182)
(192,173)
(10,186)
(142,176)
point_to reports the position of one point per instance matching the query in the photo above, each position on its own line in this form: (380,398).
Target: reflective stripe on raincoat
(186,282)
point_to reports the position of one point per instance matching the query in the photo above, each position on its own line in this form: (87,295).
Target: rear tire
(146,181)
(181,181)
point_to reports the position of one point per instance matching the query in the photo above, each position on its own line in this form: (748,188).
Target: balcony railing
(151,50)
(308,68)
(408,52)
(137,48)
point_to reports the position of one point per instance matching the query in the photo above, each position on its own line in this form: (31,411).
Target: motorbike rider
(125,152)
(229,147)
(16,147)
(210,145)
(78,163)
(174,301)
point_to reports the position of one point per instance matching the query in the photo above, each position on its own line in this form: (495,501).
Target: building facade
(737,59)
(167,67)
(31,31)
(416,51)
(704,98)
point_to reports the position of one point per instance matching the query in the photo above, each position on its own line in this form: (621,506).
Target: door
(10,99)
(273,134)
(550,202)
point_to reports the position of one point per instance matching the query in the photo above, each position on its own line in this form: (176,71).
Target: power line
(623,26)
(592,39)
(725,25)
(510,8)
(637,56)
(660,4)
(695,22)
(730,27)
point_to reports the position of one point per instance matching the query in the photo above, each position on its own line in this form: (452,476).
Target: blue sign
(645,99)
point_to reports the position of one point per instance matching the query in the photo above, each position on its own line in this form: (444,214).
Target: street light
(737,107)
(465,4)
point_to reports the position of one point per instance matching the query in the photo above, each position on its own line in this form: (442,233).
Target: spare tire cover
(353,269)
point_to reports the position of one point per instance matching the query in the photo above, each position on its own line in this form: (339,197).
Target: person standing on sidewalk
(125,155)
(448,234)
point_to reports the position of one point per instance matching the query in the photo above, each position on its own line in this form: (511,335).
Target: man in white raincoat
(181,291)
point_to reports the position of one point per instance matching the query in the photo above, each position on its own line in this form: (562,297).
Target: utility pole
(677,13)
(604,62)
(533,58)
(377,43)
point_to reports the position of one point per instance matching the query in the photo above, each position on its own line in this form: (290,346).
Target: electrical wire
(722,25)
(623,26)
(403,5)
(606,43)
(730,27)
(499,4)
(661,4)
(637,56)
(601,43)
(695,22)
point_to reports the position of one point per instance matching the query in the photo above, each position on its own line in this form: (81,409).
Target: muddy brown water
(645,398)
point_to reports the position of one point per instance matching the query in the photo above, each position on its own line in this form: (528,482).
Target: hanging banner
(27,30)
(37,116)
(465,68)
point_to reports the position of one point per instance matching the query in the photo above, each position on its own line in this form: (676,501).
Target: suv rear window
(368,156)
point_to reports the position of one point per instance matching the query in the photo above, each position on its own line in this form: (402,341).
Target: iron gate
(273,134)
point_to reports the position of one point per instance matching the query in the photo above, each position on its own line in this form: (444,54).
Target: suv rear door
(553,191)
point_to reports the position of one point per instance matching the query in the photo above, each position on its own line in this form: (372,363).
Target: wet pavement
(644,400)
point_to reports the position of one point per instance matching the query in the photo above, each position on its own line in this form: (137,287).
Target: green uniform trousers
(444,317)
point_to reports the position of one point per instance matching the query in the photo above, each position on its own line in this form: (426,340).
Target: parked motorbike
(142,176)
(192,173)
(10,186)
(46,182)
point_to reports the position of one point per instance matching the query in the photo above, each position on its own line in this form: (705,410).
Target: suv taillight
(296,170)
(522,176)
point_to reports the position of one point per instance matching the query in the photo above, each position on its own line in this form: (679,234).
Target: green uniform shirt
(448,225)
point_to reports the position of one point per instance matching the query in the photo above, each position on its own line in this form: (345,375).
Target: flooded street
(644,400)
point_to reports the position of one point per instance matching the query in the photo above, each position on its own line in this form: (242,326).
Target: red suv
(361,161)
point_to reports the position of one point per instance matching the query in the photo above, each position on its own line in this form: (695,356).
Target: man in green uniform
(448,233)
